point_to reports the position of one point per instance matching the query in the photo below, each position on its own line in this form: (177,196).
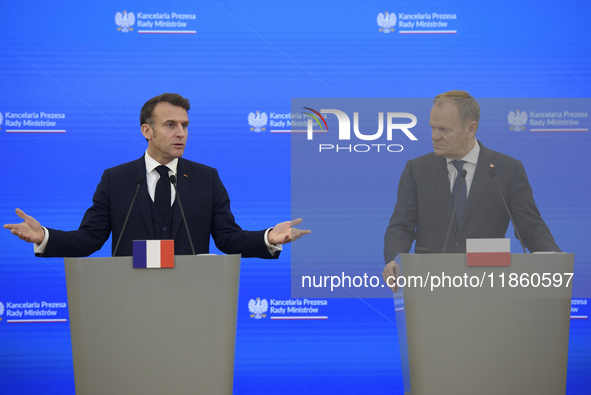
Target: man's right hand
(390,274)
(29,230)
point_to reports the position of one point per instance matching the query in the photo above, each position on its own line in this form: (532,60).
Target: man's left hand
(284,232)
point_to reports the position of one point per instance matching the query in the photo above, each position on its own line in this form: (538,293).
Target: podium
(153,331)
(488,339)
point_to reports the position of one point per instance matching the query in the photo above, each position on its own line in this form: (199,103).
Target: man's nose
(180,131)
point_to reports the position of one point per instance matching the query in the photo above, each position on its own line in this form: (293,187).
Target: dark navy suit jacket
(424,207)
(205,202)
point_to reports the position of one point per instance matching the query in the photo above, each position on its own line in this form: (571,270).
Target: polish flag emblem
(488,252)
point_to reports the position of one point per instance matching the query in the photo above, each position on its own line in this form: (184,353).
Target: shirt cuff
(40,248)
(272,247)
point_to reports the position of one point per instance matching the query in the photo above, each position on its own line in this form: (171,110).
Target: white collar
(151,163)
(472,156)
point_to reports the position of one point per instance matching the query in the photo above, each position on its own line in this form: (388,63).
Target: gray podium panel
(487,341)
(153,331)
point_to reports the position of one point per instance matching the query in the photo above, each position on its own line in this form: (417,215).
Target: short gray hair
(468,107)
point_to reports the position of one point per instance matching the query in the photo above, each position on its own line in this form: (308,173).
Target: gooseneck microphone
(173,181)
(453,214)
(493,175)
(140,182)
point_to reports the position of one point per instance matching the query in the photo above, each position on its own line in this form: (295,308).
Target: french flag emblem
(488,252)
(149,254)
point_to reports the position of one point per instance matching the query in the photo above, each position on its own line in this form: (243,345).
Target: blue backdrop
(73,81)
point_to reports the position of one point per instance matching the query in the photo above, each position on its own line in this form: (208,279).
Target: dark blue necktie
(162,195)
(459,164)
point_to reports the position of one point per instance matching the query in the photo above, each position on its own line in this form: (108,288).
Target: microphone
(140,182)
(173,181)
(493,175)
(453,214)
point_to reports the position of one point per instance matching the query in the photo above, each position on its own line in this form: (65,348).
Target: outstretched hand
(29,230)
(284,233)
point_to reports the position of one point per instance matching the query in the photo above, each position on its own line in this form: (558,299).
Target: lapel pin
(185,175)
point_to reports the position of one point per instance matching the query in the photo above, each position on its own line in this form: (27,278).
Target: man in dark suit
(430,184)
(157,215)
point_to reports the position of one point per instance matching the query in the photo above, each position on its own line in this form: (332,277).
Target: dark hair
(173,98)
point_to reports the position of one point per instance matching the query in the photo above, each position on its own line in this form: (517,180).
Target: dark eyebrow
(175,122)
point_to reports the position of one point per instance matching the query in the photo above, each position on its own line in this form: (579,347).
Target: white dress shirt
(152,175)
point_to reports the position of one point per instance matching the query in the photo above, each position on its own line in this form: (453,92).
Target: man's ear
(147,131)
(472,128)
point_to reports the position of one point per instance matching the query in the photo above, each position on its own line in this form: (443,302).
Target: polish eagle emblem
(257,121)
(517,120)
(125,21)
(386,22)
(258,308)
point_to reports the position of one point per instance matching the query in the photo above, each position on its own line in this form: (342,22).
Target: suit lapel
(183,182)
(143,198)
(438,170)
(479,182)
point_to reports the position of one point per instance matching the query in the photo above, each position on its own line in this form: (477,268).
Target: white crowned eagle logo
(386,22)
(258,308)
(517,120)
(125,21)
(257,121)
